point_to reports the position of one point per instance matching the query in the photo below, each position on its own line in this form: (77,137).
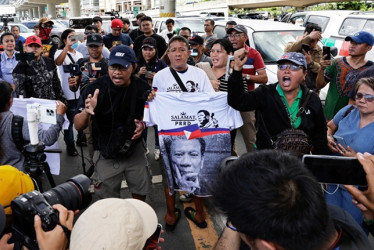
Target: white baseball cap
(114,223)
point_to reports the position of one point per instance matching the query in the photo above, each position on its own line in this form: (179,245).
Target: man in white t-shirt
(164,81)
(64,57)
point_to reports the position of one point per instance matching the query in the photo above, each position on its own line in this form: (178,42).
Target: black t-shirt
(85,69)
(161,44)
(135,34)
(116,109)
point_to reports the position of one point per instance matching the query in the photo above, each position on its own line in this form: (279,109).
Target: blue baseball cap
(122,55)
(361,37)
(294,57)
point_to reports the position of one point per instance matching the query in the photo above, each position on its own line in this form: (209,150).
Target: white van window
(220,31)
(163,26)
(369,26)
(351,26)
(322,21)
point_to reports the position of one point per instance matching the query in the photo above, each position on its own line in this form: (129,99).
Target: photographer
(65,56)
(8,149)
(17,183)
(114,104)
(37,77)
(8,58)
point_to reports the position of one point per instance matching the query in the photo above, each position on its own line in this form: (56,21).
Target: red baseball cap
(117,23)
(33,39)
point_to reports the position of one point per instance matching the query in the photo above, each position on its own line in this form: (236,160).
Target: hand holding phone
(326,51)
(305,47)
(152,242)
(336,169)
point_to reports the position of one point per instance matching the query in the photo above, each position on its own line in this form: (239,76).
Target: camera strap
(66,231)
(17,136)
(178,79)
(71,58)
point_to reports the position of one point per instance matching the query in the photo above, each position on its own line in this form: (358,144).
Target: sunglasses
(368,97)
(290,66)
(88,32)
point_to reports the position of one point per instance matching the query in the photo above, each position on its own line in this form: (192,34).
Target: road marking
(203,238)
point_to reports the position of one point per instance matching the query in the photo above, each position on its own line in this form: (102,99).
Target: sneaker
(157,154)
(186,197)
(147,152)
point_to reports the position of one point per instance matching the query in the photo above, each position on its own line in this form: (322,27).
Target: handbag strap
(179,81)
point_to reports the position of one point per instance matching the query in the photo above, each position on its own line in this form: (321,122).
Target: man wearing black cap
(114,105)
(197,44)
(82,47)
(342,72)
(254,71)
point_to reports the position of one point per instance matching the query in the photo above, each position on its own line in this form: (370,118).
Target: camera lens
(72,194)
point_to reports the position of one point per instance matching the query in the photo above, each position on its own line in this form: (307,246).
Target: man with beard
(49,45)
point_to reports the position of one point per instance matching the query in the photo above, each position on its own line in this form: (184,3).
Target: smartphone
(228,67)
(336,169)
(305,47)
(340,140)
(152,242)
(74,38)
(326,51)
(194,52)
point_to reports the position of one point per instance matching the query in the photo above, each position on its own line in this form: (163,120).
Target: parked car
(196,24)
(24,31)
(56,32)
(268,37)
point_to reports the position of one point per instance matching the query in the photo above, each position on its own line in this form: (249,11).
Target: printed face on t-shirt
(186,161)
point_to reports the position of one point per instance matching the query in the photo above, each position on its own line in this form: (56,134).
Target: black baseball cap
(195,40)
(149,42)
(94,39)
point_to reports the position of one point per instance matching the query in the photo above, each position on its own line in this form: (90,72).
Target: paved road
(186,235)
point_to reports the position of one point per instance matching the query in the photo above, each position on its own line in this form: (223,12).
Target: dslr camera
(72,194)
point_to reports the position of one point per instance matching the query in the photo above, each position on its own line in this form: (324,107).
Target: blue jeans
(68,133)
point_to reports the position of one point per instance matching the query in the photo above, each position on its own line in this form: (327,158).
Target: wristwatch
(248,77)
(310,64)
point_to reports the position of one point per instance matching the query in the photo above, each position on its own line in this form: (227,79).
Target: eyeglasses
(88,32)
(186,37)
(117,67)
(235,35)
(290,66)
(368,97)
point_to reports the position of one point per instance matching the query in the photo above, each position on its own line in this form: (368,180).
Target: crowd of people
(102,85)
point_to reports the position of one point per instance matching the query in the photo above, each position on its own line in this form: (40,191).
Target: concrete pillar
(35,12)
(51,10)
(22,16)
(167,8)
(41,10)
(31,16)
(75,8)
